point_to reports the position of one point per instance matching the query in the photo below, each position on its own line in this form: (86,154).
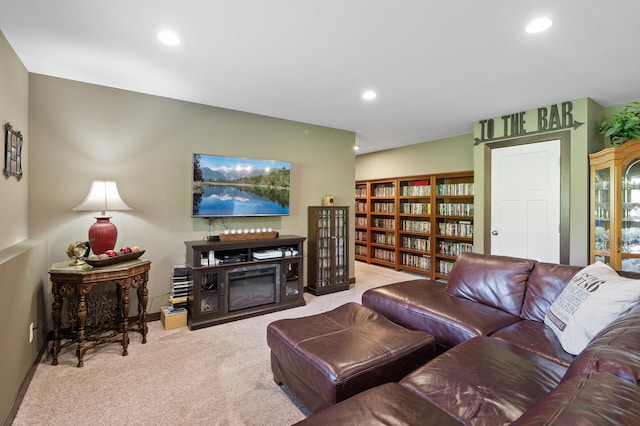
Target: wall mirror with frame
(12,152)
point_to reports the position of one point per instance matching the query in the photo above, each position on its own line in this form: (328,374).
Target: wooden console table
(77,281)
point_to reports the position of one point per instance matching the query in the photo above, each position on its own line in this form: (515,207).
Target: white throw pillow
(594,298)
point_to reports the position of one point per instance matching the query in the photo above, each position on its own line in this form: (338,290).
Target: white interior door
(525,201)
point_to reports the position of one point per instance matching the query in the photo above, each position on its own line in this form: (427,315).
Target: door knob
(494,232)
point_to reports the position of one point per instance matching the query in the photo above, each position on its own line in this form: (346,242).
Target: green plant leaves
(624,126)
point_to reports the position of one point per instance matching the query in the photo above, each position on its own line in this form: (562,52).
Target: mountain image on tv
(231,186)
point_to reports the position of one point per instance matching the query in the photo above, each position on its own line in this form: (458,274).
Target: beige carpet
(219,375)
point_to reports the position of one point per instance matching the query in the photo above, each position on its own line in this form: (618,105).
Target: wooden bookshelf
(454,211)
(361,222)
(382,220)
(415,223)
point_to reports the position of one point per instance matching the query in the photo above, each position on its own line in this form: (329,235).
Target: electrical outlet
(30,332)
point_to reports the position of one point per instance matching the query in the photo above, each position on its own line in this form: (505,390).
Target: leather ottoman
(325,358)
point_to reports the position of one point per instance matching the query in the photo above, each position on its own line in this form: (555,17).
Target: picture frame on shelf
(13,152)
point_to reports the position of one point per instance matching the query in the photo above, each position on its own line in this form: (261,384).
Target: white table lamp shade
(103,196)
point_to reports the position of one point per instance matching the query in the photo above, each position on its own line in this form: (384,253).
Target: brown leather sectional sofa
(498,363)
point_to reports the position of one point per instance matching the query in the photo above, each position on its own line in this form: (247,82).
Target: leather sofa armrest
(592,399)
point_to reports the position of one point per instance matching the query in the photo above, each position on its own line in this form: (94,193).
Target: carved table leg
(142,307)
(56,306)
(82,319)
(123,286)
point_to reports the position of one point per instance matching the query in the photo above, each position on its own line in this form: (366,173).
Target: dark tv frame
(239,190)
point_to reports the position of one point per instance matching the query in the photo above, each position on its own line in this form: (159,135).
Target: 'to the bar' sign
(550,118)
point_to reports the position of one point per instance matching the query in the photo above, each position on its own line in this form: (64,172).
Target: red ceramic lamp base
(102,235)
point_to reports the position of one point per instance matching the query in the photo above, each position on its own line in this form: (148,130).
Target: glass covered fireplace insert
(253,285)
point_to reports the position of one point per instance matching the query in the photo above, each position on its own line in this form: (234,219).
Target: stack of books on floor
(175,315)
(180,285)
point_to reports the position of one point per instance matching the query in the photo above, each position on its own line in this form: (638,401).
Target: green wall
(14,109)
(22,261)
(453,154)
(81,132)
(584,140)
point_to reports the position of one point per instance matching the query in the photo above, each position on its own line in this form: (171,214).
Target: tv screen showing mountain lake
(228,186)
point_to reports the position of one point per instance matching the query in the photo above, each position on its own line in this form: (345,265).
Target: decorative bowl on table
(115,259)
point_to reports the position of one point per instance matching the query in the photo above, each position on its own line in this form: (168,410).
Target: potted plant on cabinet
(624,126)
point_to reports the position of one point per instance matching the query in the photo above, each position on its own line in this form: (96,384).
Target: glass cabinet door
(602,205)
(630,226)
(328,243)
(615,206)
(210,294)
(324,248)
(341,232)
(292,285)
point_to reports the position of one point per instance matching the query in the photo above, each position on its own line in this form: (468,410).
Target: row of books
(388,239)
(384,207)
(329,241)
(455,209)
(386,255)
(444,267)
(416,261)
(418,188)
(384,190)
(416,208)
(327,222)
(415,243)
(385,223)
(324,253)
(454,248)
(456,229)
(361,250)
(423,226)
(454,189)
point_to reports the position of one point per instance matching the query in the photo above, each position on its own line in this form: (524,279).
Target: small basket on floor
(171,319)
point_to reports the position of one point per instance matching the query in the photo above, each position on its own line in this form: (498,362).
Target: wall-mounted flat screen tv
(232,186)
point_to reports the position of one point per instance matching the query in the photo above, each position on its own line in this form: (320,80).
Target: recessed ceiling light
(369,95)
(169,38)
(356,147)
(538,25)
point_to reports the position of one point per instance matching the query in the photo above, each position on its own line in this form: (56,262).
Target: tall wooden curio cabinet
(615,206)
(328,250)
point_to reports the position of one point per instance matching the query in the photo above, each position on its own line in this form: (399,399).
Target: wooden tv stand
(238,279)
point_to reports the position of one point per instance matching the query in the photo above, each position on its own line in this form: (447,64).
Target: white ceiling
(437,66)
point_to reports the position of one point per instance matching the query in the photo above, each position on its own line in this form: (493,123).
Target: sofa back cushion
(546,282)
(497,281)
(615,350)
